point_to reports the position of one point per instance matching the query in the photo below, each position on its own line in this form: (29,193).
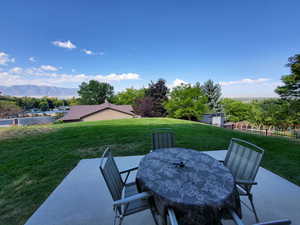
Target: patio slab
(83,199)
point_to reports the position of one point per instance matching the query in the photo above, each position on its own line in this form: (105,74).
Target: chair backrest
(163,138)
(243,159)
(111,175)
(277,222)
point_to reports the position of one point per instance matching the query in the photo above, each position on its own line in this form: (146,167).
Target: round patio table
(199,188)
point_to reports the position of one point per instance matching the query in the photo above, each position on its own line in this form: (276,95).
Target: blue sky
(244,45)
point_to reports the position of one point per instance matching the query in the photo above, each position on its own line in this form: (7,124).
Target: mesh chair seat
(137,205)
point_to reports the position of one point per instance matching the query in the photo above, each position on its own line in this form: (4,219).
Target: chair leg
(250,196)
(120,219)
(154,216)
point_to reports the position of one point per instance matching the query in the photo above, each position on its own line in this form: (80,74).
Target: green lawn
(35,162)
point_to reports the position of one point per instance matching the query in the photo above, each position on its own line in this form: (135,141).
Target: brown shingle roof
(77,112)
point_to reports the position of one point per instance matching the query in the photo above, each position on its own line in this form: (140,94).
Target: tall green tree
(43,105)
(128,96)
(158,92)
(187,102)
(95,92)
(213,93)
(267,113)
(291,87)
(8,108)
(234,110)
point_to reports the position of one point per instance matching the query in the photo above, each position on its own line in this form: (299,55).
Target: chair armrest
(143,195)
(129,170)
(278,222)
(172,217)
(128,173)
(246,182)
(236,218)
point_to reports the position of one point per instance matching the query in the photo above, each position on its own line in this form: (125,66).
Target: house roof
(78,112)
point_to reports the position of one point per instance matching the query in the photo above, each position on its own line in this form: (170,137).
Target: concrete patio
(83,199)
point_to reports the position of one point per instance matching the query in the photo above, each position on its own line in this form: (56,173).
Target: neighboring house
(105,111)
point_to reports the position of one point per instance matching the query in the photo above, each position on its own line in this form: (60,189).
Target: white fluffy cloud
(32,59)
(48,75)
(244,81)
(261,87)
(48,68)
(118,77)
(176,82)
(64,44)
(90,52)
(5,58)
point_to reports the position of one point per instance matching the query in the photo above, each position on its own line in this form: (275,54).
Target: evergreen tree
(291,87)
(213,94)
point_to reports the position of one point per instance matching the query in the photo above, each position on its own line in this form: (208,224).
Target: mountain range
(38,91)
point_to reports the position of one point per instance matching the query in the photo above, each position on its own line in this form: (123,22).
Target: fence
(289,133)
(26,121)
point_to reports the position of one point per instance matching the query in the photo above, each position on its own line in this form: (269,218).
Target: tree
(291,111)
(43,105)
(234,110)
(187,102)
(28,102)
(144,106)
(95,92)
(266,113)
(8,108)
(73,101)
(276,113)
(129,96)
(291,87)
(213,93)
(158,92)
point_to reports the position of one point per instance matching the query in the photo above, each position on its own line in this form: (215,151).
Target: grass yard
(34,160)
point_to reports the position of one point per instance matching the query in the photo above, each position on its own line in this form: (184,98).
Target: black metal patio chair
(243,159)
(172,220)
(238,221)
(127,200)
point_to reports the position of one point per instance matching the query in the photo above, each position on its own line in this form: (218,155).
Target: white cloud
(177,82)
(73,70)
(118,77)
(90,52)
(48,68)
(32,59)
(244,81)
(16,70)
(261,87)
(5,58)
(47,75)
(64,44)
